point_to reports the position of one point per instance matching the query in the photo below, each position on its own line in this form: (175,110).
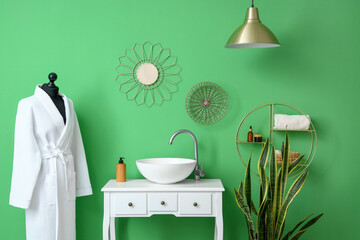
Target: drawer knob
(195,204)
(130,204)
(162,203)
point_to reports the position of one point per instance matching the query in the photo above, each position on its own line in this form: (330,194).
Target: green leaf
(247,224)
(264,154)
(264,185)
(297,225)
(295,163)
(260,224)
(293,191)
(253,208)
(282,230)
(270,221)
(261,168)
(247,183)
(285,166)
(306,226)
(278,201)
(246,210)
(272,175)
(311,222)
(274,191)
(297,235)
(241,191)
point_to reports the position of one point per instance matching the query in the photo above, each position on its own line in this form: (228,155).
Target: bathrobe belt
(53,152)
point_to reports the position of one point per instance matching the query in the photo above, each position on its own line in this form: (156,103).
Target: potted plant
(273,203)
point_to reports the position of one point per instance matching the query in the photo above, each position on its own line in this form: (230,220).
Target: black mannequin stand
(53,92)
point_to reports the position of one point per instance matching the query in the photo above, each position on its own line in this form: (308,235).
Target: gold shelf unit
(290,130)
(305,163)
(300,165)
(249,142)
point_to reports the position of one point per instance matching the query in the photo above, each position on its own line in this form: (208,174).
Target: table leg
(106,220)
(219,230)
(215,231)
(112,228)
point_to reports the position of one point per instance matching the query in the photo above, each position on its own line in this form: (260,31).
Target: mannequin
(49,168)
(53,92)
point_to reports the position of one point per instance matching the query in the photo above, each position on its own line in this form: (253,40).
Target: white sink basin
(166,170)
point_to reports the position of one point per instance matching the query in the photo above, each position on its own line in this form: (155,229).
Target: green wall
(316,69)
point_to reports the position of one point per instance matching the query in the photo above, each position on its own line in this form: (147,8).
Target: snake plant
(273,203)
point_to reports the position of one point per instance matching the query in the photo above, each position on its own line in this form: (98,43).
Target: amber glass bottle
(250,135)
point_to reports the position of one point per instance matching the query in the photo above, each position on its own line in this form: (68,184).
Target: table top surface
(188,185)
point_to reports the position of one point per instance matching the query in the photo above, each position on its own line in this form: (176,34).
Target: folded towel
(291,122)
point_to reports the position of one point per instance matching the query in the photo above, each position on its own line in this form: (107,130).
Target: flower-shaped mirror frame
(148,74)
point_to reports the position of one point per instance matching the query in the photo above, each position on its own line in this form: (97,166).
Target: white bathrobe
(49,169)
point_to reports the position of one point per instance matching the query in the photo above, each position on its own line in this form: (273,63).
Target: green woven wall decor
(206,103)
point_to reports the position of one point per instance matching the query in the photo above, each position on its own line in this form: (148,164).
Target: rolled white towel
(291,122)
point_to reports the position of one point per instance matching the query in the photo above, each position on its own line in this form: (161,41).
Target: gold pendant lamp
(252,33)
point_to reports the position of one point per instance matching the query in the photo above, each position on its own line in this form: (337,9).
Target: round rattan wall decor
(206,103)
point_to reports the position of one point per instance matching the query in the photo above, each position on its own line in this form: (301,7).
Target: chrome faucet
(197,172)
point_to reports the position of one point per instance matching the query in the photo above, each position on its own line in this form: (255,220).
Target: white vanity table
(142,198)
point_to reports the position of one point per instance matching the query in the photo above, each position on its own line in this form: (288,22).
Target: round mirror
(147,73)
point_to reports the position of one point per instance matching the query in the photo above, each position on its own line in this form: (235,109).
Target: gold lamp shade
(252,33)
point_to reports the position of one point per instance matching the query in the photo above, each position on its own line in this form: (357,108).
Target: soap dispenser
(121,171)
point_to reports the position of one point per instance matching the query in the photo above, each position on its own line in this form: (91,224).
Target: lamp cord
(252,5)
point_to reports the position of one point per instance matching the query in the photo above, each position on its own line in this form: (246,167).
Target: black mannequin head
(53,92)
(52,78)
(50,88)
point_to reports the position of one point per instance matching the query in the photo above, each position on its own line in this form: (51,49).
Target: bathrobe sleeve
(83,186)
(27,157)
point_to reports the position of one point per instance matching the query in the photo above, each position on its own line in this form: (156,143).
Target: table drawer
(163,202)
(195,203)
(129,203)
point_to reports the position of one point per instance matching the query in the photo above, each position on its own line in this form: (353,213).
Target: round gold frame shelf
(304,164)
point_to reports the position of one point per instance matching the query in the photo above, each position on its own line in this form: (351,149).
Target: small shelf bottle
(121,171)
(250,135)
